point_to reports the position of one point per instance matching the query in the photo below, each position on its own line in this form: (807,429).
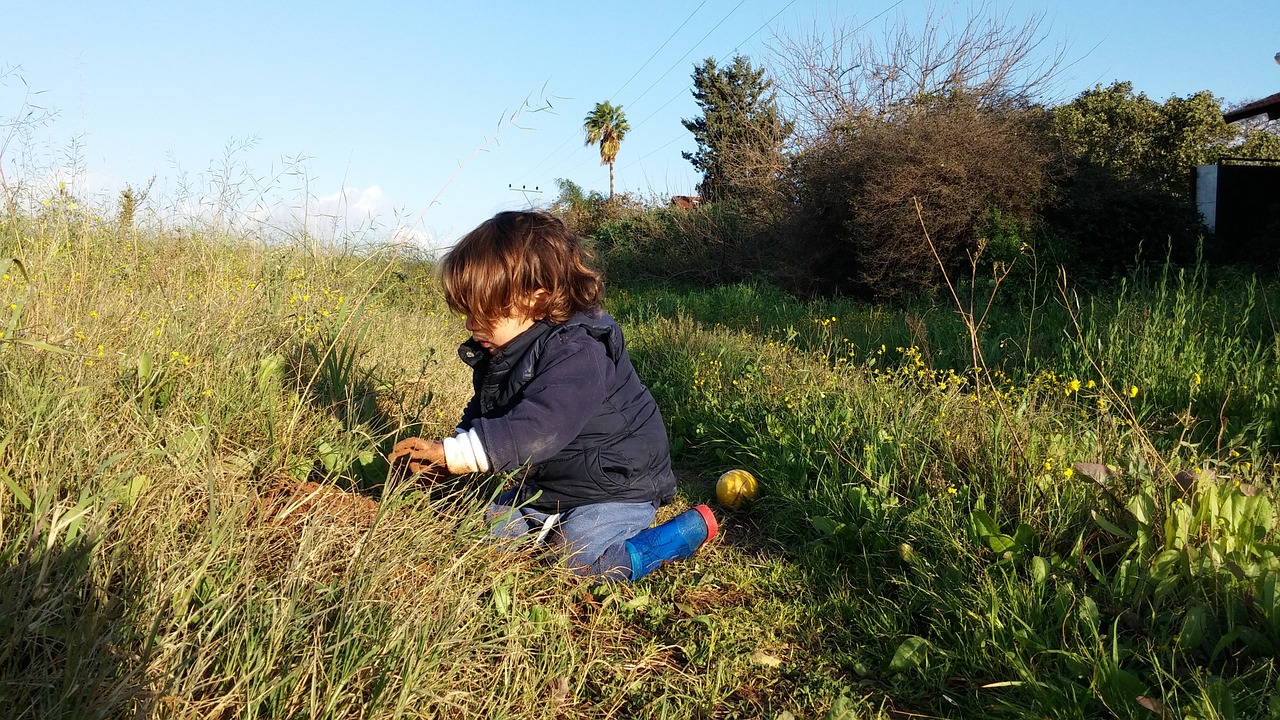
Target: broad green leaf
(1195,628)
(501,600)
(1225,642)
(1143,507)
(1025,537)
(1088,612)
(1109,526)
(539,614)
(270,371)
(329,456)
(842,709)
(1000,543)
(8,262)
(1166,564)
(826,525)
(144,369)
(131,491)
(39,345)
(910,654)
(983,523)
(187,444)
(1177,526)
(1039,570)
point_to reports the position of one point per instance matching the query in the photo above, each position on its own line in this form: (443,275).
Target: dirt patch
(290,503)
(707,599)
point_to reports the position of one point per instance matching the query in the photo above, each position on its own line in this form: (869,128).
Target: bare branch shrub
(855,192)
(945,112)
(828,82)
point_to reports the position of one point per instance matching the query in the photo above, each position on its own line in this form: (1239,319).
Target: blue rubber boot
(674,539)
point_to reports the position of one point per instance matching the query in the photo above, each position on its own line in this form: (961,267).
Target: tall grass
(1089,534)
(163,396)
(1061,544)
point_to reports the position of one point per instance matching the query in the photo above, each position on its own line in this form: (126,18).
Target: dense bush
(1108,224)
(856,221)
(585,212)
(713,243)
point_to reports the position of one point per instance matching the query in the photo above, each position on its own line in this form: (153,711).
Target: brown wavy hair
(496,269)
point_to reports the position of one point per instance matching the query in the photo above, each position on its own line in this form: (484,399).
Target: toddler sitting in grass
(558,403)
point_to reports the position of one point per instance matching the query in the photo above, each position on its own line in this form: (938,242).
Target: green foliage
(1142,141)
(740,134)
(340,383)
(1201,543)
(957,505)
(585,213)
(926,538)
(712,243)
(1261,141)
(1126,193)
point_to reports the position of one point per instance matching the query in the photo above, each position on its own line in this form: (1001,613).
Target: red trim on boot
(710,519)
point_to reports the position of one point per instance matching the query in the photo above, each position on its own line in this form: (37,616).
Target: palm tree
(607,126)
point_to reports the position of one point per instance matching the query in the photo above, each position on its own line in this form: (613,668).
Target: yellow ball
(736,487)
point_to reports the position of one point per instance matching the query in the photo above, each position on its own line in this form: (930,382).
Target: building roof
(1270,106)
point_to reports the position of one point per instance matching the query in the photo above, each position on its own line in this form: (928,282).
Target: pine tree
(740,134)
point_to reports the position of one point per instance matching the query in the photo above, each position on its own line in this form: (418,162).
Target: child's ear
(538,302)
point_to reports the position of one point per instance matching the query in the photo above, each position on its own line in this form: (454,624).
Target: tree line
(866,165)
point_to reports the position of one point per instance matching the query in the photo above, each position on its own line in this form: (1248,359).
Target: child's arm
(459,454)
(568,388)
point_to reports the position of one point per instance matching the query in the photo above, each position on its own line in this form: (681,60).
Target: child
(557,399)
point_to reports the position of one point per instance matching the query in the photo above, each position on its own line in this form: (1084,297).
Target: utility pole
(524,190)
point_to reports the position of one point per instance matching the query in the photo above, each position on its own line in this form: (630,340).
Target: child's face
(500,332)
(503,330)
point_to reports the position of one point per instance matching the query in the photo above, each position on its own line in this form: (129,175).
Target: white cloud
(359,213)
(351,214)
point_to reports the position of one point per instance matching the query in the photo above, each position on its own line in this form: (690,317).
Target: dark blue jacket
(564,401)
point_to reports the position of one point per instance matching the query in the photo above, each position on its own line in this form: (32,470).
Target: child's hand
(419,455)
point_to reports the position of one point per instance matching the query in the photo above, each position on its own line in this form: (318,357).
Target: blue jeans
(590,538)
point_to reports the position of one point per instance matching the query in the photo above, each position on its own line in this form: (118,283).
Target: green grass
(922,543)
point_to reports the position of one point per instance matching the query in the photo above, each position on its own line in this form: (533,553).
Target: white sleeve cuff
(464,453)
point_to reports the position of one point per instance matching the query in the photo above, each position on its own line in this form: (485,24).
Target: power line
(660,77)
(687,87)
(681,136)
(695,47)
(757,31)
(560,147)
(863,25)
(721,58)
(655,52)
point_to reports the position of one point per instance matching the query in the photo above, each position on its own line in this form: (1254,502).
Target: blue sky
(422,113)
